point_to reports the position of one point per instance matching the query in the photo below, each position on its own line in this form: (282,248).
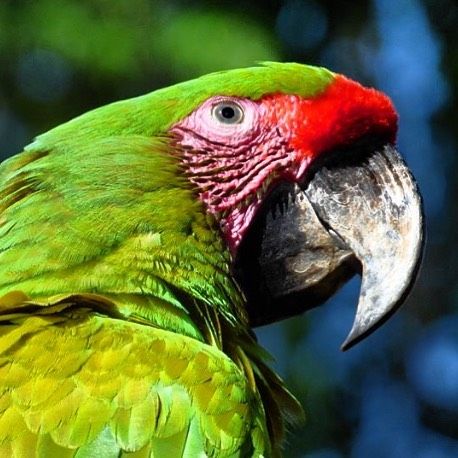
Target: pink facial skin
(233,165)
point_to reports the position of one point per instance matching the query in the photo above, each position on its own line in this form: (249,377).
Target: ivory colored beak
(375,208)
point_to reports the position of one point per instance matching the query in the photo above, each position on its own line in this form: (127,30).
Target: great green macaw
(142,241)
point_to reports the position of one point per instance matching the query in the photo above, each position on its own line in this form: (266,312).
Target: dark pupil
(227,112)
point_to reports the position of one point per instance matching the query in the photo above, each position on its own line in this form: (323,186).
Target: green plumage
(105,219)
(122,329)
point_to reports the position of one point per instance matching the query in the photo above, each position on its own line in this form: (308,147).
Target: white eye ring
(228,112)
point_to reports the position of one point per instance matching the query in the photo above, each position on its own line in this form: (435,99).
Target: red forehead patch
(344,113)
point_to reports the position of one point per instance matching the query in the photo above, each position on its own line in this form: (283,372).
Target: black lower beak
(358,213)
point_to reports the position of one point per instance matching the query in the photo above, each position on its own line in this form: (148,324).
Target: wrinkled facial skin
(236,162)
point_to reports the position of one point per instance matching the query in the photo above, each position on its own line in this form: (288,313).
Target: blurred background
(395,394)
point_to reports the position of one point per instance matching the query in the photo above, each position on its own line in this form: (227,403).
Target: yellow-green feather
(87,382)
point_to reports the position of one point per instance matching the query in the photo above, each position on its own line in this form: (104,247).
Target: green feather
(153,114)
(80,227)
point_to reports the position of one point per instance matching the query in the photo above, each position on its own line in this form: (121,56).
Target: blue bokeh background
(396,393)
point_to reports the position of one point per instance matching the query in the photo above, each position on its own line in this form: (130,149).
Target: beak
(374,206)
(358,214)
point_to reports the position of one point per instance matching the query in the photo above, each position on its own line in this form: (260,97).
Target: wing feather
(81,384)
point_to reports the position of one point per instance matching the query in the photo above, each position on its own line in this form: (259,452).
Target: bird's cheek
(292,118)
(303,161)
(298,157)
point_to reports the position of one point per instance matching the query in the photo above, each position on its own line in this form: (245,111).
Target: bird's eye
(228,112)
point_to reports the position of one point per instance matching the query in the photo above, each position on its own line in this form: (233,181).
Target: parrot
(142,242)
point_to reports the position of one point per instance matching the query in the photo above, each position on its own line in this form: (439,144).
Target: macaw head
(299,167)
